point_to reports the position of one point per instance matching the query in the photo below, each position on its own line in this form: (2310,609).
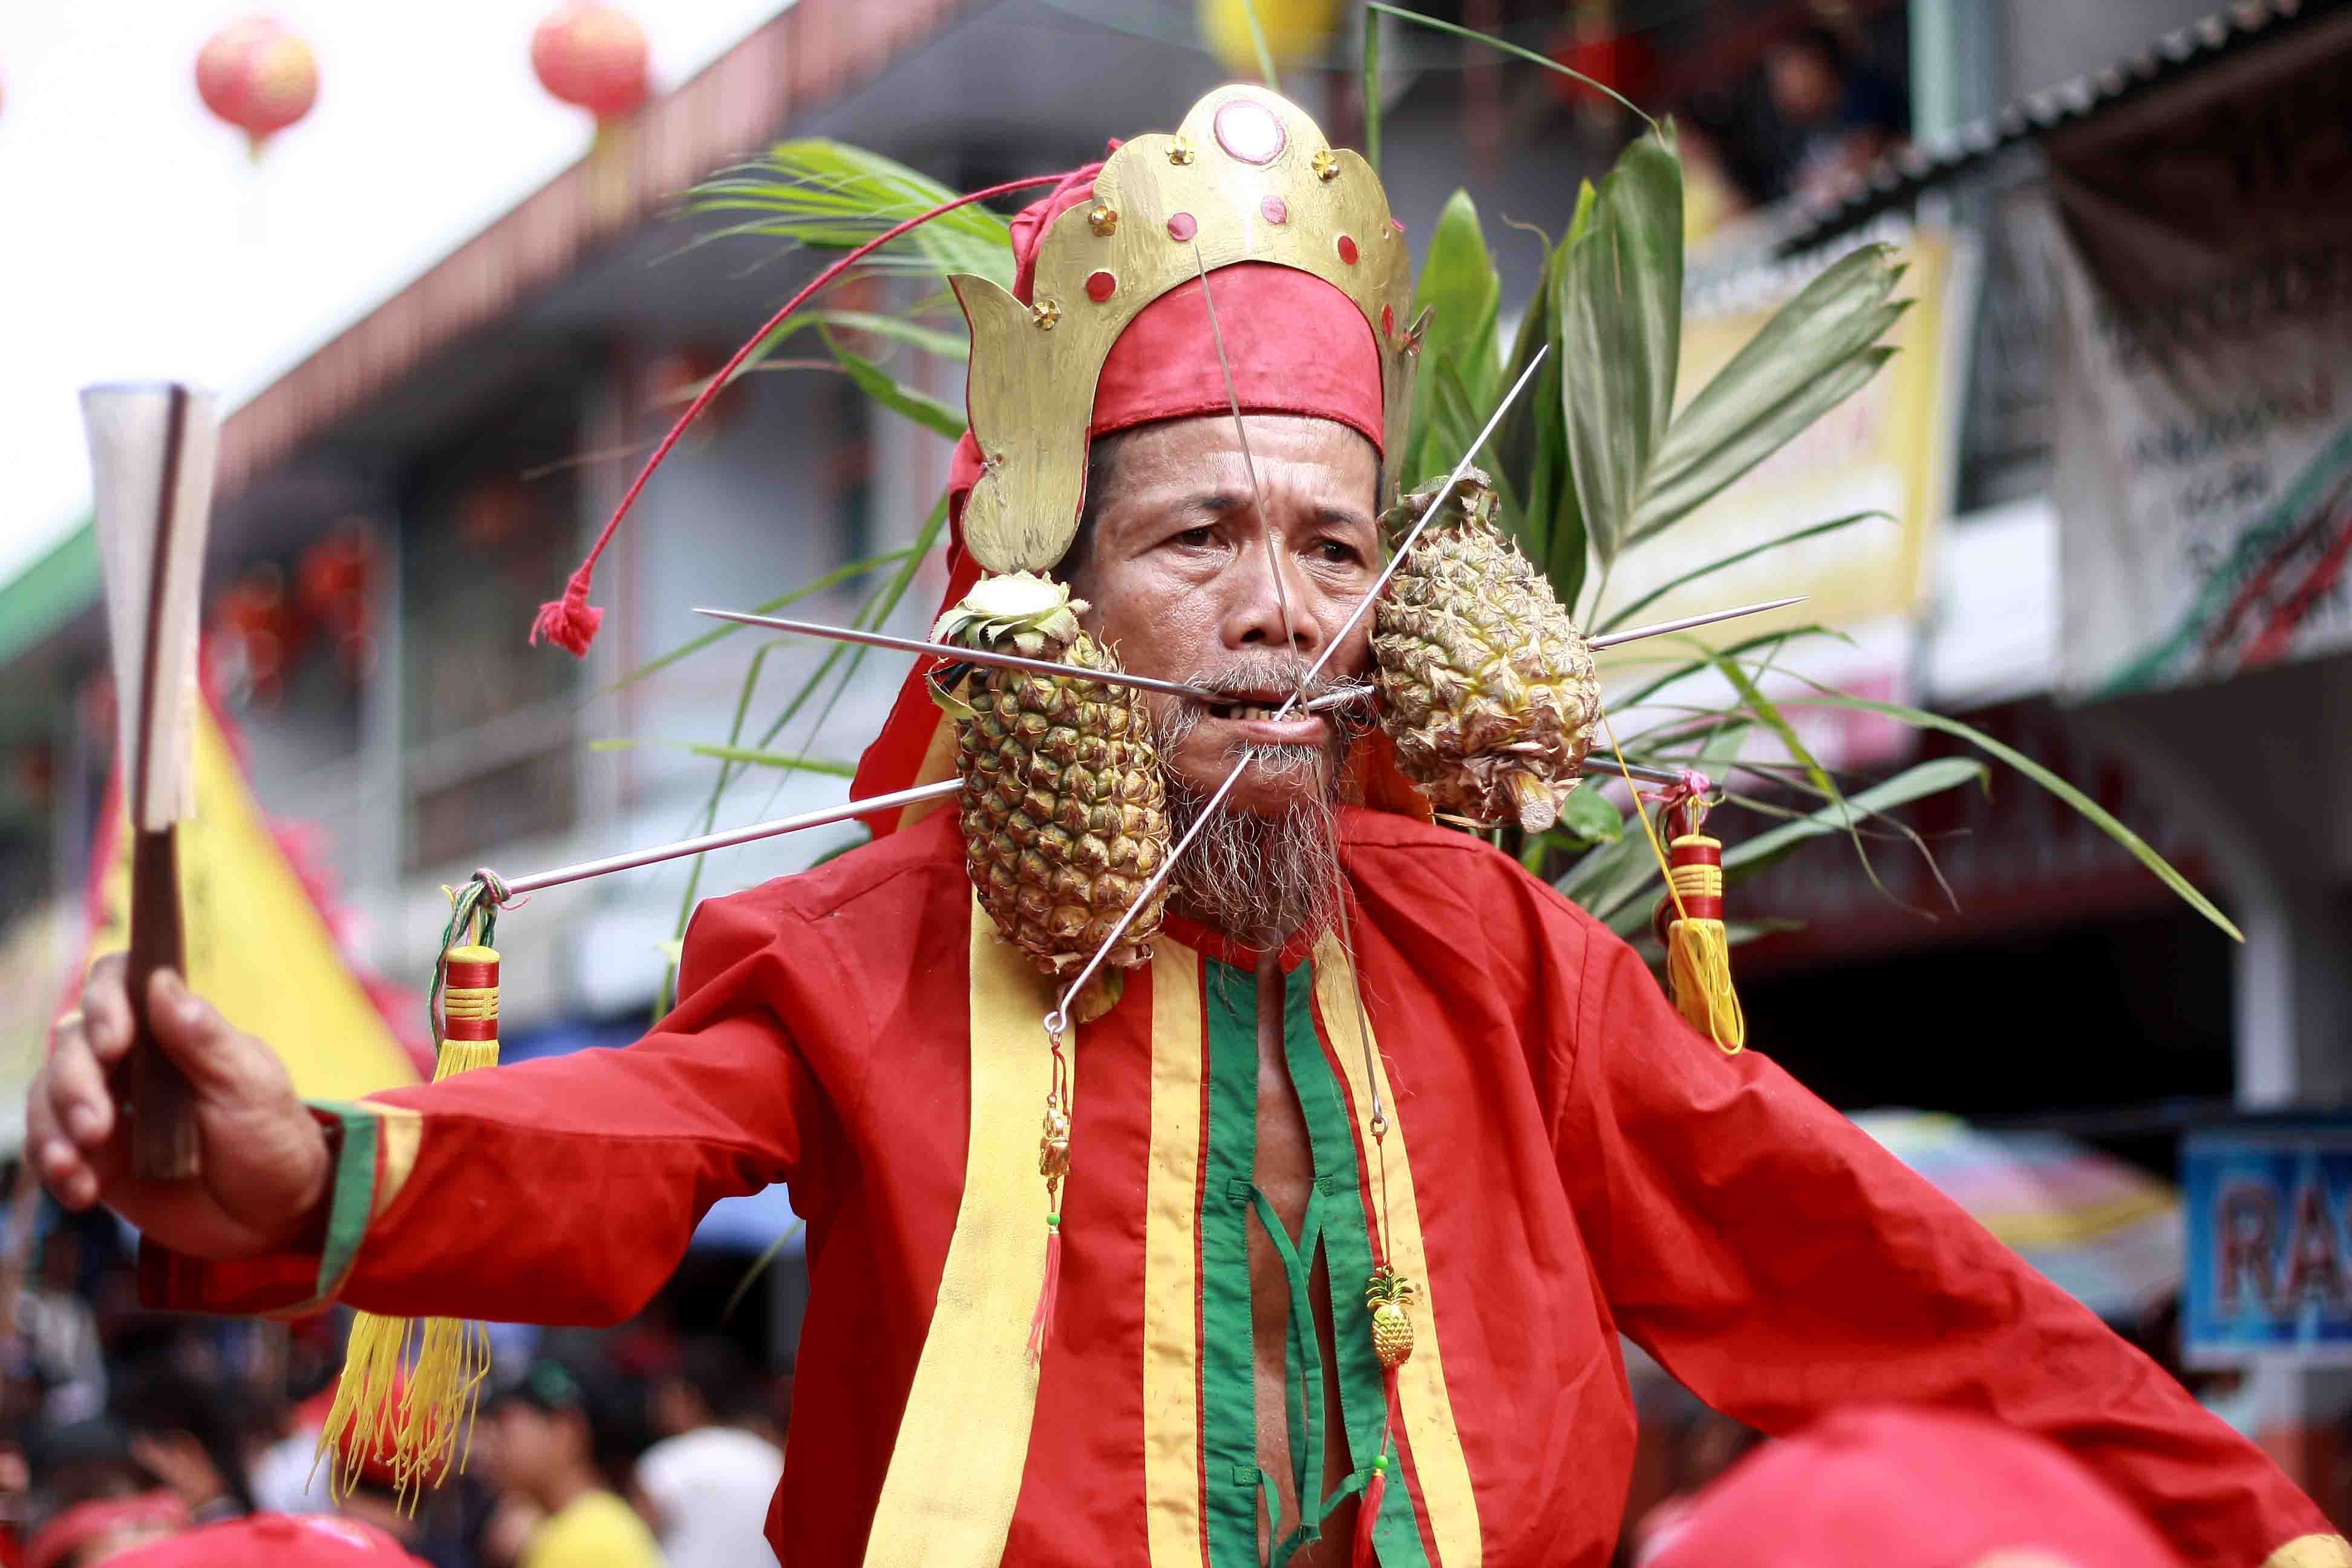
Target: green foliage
(830,195)
(1462,295)
(1593,462)
(1619,302)
(932,414)
(1816,351)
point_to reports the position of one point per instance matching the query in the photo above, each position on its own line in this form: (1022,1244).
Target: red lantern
(258,77)
(257,631)
(335,587)
(592,56)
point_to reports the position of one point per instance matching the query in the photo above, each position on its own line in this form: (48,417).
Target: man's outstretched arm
(561,1191)
(1780,1262)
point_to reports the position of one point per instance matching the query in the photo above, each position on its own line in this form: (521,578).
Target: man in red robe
(1480,1087)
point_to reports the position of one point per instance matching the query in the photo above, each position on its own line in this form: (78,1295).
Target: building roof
(807,58)
(1898,177)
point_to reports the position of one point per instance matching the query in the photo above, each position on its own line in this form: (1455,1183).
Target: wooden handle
(163,1105)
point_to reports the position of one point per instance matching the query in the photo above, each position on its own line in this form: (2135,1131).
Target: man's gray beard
(1259,879)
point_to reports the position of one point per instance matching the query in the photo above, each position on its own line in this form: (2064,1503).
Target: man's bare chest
(1290,1305)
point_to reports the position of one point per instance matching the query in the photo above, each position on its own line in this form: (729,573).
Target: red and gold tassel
(421,1414)
(1689,922)
(1053,1164)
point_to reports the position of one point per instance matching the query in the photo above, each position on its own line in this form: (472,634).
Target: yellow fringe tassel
(1698,971)
(422,1422)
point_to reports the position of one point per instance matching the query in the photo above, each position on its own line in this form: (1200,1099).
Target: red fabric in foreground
(276,1541)
(1910,1488)
(1582,1164)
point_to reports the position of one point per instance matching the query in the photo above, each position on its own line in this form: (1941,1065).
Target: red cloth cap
(275,1541)
(1296,345)
(87,1524)
(1910,1488)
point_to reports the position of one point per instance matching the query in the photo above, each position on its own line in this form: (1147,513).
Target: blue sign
(2270,1242)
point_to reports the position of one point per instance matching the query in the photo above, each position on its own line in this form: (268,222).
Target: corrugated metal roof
(1898,177)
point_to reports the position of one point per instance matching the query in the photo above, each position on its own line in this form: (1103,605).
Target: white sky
(137,240)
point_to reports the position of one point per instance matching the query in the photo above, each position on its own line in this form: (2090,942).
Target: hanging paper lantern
(593,58)
(258,77)
(1297,31)
(256,632)
(335,583)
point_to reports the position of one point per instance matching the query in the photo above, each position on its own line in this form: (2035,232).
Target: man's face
(1182,584)
(527,1447)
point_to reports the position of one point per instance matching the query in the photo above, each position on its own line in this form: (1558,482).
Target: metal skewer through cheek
(1249,462)
(1057,1021)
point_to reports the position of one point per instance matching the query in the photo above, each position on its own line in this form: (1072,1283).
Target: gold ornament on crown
(1247,177)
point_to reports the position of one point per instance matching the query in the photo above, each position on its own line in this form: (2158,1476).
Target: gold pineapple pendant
(1388,1294)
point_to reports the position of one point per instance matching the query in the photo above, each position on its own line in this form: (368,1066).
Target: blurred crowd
(152,1441)
(146,1440)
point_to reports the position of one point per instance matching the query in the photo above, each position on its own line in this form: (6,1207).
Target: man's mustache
(1262,676)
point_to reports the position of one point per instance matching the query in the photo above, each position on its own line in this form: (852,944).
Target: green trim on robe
(1335,1229)
(352,1203)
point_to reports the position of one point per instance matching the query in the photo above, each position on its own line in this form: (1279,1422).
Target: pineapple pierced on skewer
(1487,688)
(1063,814)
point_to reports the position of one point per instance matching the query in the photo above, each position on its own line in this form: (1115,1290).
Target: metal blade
(963,655)
(151,450)
(1688,622)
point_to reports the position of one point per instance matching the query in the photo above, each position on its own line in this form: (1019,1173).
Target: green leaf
(831,195)
(1692,666)
(1373,92)
(1620,305)
(1815,353)
(1809,532)
(1934,776)
(2140,849)
(1589,818)
(1266,71)
(877,383)
(751,756)
(1461,287)
(838,576)
(954,345)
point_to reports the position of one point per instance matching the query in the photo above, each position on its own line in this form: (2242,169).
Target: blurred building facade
(393,509)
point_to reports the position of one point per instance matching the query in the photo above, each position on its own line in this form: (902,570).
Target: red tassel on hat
(571,622)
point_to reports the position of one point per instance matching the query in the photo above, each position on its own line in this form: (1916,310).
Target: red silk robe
(1567,1160)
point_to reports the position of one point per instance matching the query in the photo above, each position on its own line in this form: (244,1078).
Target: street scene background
(452,302)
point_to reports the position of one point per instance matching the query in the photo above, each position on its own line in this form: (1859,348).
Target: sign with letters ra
(2269,1259)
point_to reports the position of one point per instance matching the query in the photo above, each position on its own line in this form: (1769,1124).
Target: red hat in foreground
(104,1520)
(276,1541)
(1912,1488)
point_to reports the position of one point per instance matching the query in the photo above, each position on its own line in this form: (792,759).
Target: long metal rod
(1605,768)
(963,655)
(1452,479)
(1688,622)
(1249,462)
(629,861)
(1059,1019)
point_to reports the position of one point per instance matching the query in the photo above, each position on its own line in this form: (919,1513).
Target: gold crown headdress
(1247,177)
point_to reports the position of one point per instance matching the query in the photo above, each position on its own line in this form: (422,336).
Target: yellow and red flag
(261,943)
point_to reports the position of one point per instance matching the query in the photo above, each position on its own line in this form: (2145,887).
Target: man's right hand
(264,1178)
